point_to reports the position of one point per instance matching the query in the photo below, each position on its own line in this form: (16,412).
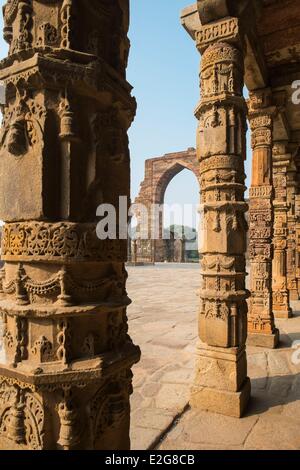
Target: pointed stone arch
(159,172)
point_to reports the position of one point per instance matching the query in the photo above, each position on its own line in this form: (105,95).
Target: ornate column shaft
(291,260)
(66,378)
(281,297)
(297,216)
(261,325)
(221,383)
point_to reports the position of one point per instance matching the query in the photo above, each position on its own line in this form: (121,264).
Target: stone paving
(163,321)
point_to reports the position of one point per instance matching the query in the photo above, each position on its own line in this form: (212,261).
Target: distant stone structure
(159,172)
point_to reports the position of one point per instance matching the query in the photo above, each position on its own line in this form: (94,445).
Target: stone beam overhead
(279,32)
(213,10)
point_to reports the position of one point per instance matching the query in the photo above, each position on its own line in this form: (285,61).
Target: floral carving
(38,240)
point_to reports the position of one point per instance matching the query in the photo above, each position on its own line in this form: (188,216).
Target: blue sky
(164,71)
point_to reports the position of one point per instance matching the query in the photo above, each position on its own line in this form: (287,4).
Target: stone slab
(270,341)
(221,401)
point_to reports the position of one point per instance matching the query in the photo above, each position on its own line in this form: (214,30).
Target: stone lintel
(190,20)
(256,72)
(282,130)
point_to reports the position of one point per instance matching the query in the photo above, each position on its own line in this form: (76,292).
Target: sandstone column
(281,297)
(261,325)
(291,268)
(66,380)
(297,216)
(221,383)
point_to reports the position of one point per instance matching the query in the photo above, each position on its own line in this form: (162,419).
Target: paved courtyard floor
(163,322)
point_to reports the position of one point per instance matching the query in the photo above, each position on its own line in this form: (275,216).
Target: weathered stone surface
(143,439)
(258,369)
(172,397)
(220,368)
(210,428)
(222,401)
(264,341)
(263,436)
(152,419)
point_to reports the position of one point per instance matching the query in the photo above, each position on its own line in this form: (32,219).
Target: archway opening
(180,218)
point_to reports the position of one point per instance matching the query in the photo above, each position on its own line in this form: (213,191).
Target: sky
(164,72)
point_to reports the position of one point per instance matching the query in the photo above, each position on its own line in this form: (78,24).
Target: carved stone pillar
(66,379)
(221,383)
(297,216)
(261,325)
(281,297)
(291,261)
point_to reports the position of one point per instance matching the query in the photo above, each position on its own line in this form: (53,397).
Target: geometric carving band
(60,242)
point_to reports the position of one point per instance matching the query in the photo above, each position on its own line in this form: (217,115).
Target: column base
(221,384)
(286,313)
(294,295)
(221,401)
(262,340)
(81,406)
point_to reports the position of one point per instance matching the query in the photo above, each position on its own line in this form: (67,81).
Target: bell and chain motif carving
(66,379)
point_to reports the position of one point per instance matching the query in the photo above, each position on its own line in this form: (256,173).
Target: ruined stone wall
(159,172)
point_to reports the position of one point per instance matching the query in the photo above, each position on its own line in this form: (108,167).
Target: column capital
(261,102)
(261,117)
(281,154)
(225,30)
(225,20)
